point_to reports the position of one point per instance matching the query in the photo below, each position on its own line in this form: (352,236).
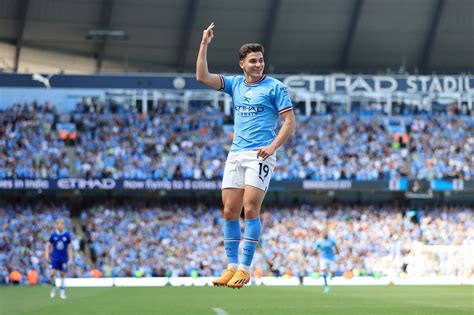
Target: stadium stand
(170,144)
(184,240)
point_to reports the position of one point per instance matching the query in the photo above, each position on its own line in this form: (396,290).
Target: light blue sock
(231,241)
(253,228)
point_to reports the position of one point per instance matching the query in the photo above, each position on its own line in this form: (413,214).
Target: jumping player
(258,103)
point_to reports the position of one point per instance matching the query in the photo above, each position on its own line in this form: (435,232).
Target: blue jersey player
(258,103)
(327,249)
(58,254)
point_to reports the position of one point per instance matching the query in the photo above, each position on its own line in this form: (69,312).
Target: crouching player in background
(326,248)
(60,246)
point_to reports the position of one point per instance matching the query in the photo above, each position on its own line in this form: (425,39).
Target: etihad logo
(81,183)
(249,110)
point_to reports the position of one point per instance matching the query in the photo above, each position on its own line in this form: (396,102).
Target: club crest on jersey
(249,93)
(60,245)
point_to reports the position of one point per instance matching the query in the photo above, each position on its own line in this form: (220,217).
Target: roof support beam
(346,50)
(271,22)
(185,36)
(22,12)
(430,37)
(105,19)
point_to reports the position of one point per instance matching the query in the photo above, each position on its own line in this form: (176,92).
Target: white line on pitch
(219,311)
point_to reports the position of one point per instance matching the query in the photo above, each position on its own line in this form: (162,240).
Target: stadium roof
(300,36)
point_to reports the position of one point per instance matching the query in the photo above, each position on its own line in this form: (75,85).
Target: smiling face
(251,61)
(253,64)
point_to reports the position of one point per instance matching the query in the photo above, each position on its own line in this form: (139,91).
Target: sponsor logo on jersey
(249,110)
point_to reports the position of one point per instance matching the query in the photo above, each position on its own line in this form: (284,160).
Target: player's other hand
(208,34)
(71,264)
(265,152)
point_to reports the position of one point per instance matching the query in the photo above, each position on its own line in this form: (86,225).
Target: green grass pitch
(347,300)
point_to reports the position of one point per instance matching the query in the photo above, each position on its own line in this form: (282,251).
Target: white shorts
(243,168)
(327,264)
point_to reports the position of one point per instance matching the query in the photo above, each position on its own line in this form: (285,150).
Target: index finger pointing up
(211,26)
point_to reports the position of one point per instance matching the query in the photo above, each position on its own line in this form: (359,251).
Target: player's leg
(232,198)
(63,284)
(324,271)
(253,198)
(52,279)
(331,272)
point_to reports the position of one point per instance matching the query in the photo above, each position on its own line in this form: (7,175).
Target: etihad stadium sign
(380,84)
(311,83)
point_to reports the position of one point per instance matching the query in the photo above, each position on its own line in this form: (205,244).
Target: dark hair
(249,48)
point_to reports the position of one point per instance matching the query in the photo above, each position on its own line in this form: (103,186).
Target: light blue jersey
(256,107)
(326,247)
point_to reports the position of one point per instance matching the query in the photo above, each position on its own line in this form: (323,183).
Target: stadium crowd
(172,144)
(177,240)
(186,240)
(30,147)
(442,147)
(155,146)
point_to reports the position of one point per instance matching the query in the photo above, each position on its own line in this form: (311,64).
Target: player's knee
(251,207)
(231,214)
(250,213)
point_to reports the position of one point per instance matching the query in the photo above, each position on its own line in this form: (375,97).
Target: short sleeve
(317,247)
(282,99)
(68,238)
(226,83)
(50,238)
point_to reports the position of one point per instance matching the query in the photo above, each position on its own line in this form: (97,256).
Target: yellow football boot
(240,278)
(225,277)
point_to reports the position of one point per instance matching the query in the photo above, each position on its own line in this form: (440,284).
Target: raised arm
(202,71)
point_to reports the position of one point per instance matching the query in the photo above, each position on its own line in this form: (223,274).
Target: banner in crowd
(311,83)
(105,184)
